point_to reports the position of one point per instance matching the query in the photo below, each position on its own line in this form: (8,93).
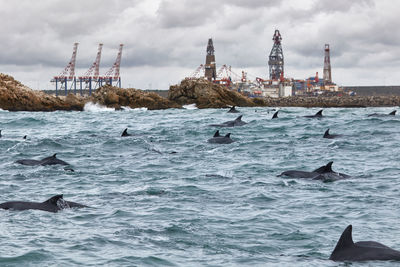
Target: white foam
(137,109)
(190,106)
(91,107)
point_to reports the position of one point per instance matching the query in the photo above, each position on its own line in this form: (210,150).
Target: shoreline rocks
(14,96)
(115,97)
(206,94)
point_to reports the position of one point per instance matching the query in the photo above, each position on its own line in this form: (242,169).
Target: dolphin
(331,136)
(233,110)
(393,113)
(53,204)
(24,137)
(0,133)
(125,133)
(52,160)
(324,173)
(237,122)
(275,116)
(316,115)
(219,139)
(347,250)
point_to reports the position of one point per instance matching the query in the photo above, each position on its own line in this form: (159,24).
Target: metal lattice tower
(275,61)
(113,72)
(69,71)
(112,75)
(93,71)
(210,68)
(327,66)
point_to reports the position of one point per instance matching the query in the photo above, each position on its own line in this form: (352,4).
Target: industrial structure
(276,85)
(92,74)
(210,67)
(327,66)
(68,74)
(316,86)
(91,79)
(275,61)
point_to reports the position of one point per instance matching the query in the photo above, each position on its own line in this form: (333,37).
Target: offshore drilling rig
(210,68)
(275,61)
(327,66)
(91,80)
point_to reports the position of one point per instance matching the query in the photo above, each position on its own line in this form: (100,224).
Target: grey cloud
(329,6)
(166,34)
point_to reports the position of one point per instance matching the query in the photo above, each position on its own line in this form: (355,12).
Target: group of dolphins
(345,250)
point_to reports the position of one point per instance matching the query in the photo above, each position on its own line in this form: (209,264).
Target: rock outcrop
(334,101)
(115,97)
(15,96)
(206,94)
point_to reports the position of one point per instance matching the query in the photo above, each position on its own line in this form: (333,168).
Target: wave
(129,108)
(95,107)
(190,106)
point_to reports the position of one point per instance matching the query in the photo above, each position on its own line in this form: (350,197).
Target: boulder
(15,96)
(206,94)
(116,97)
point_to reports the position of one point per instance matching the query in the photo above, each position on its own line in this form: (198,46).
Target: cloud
(161,34)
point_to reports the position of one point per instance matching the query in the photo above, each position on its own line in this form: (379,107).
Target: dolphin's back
(28,162)
(299,174)
(24,205)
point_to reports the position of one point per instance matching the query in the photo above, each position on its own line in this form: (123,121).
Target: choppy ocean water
(166,197)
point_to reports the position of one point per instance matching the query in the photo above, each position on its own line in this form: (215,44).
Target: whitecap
(95,107)
(190,106)
(137,109)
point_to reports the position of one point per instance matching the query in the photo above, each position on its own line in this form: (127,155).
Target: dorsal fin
(24,137)
(324,169)
(345,240)
(125,132)
(275,116)
(228,135)
(54,156)
(239,118)
(53,200)
(393,113)
(326,133)
(319,113)
(216,134)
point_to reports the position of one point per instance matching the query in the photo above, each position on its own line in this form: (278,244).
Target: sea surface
(166,197)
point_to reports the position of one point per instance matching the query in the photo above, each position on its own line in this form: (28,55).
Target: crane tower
(112,75)
(68,74)
(92,74)
(327,66)
(210,69)
(275,61)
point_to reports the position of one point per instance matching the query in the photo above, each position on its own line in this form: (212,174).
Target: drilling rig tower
(210,69)
(275,61)
(327,66)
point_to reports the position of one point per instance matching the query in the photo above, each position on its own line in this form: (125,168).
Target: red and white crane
(112,75)
(68,74)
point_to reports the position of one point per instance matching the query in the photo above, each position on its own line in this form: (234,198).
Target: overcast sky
(165,40)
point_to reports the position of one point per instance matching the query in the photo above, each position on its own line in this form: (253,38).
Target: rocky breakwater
(14,96)
(206,94)
(335,101)
(115,97)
